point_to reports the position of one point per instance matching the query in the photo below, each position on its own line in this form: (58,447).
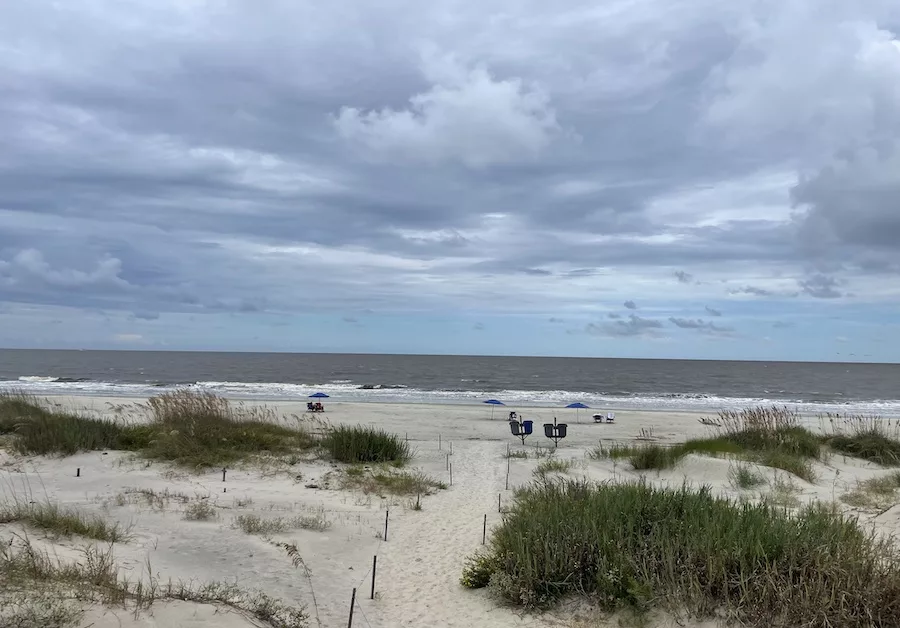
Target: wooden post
(447,463)
(386,515)
(499,509)
(450,464)
(374,566)
(352,604)
(78,472)
(484,533)
(451,447)
(439,442)
(223,474)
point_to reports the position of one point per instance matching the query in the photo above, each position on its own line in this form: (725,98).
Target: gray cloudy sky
(656,178)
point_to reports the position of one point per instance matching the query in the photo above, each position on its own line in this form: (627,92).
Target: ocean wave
(354,392)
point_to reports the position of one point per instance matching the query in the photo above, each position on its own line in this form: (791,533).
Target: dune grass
(39,587)
(358,444)
(553,465)
(874,494)
(742,476)
(866,437)
(61,521)
(767,436)
(383,480)
(632,545)
(187,428)
(253,524)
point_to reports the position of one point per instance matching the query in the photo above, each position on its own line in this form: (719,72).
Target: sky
(630,178)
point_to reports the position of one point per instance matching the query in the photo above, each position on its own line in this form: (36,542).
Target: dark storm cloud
(712,311)
(164,157)
(631,305)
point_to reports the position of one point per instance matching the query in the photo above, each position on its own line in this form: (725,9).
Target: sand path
(420,565)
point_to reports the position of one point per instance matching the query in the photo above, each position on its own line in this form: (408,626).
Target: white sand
(418,566)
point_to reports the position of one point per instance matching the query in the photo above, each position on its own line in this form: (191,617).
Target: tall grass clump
(58,520)
(203,430)
(688,552)
(867,437)
(355,444)
(39,430)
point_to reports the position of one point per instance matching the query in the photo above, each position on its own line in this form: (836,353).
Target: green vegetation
(634,546)
(41,591)
(383,480)
(354,444)
(192,429)
(874,494)
(553,465)
(202,510)
(60,521)
(767,436)
(744,477)
(252,524)
(868,438)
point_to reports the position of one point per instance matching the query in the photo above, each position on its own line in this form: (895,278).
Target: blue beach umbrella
(492,403)
(319,395)
(577,405)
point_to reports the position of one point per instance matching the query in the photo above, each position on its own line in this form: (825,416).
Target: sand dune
(419,564)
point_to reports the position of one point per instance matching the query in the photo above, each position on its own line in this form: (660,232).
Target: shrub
(56,519)
(202,510)
(253,524)
(553,465)
(478,570)
(869,438)
(365,444)
(637,546)
(743,477)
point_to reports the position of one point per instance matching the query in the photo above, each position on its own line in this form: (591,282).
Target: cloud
(486,166)
(782,324)
(554,319)
(467,116)
(631,305)
(821,286)
(129,338)
(350,319)
(712,311)
(478,326)
(700,325)
(633,326)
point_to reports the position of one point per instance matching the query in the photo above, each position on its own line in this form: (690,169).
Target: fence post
(374,566)
(484,533)
(352,604)
(386,515)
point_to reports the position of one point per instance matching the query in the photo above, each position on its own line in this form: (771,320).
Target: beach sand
(420,562)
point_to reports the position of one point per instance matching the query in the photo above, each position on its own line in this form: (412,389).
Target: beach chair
(610,417)
(310,406)
(598,418)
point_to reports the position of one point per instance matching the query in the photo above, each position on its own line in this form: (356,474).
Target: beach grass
(640,547)
(554,465)
(254,524)
(384,480)
(767,436)
(58,520)
(742,476)
(866,437)
(875,493)
(188,428)
(40,587)
(360,444)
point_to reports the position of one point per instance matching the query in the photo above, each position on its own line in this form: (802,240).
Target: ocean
(607,384)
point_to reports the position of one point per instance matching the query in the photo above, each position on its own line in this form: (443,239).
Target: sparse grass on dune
(632,545)
(743,477)
(253,524)
(383,480)
(61,521)
(39,587)
(553,465)
(876,493)
(359,444)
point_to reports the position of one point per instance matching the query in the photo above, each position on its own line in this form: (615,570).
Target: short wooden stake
(484,533)
(374,566)
(78,472)
(507,479)
(439,442)
(447,465)
(352,604)
(223,474)
(450,464)
(499,509)
(224,489)
(387,513)
(451,447)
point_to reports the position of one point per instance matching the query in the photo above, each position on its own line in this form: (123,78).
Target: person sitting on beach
(319,407)
(310,407)
(513,416)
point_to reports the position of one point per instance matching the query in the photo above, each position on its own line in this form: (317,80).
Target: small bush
(743,477)
(686,551)
(55,519)
(872,445)
(647,457)
(553,465)
(358,444)
(876,493)
(792,463)
(380,481)
(202,510)
(478,570)
(253,524)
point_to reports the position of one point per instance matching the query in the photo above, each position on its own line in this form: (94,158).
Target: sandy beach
(418,564)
